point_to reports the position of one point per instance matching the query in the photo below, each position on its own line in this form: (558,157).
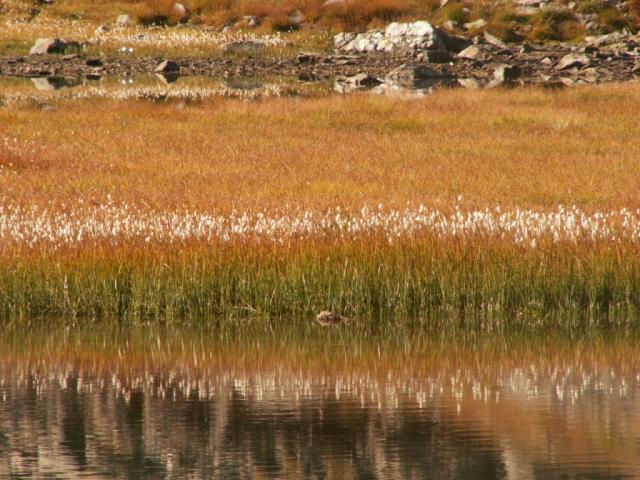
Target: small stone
(472,52)
(477,25)
(573,60)
(493,40)
(450,25)
(327,318)
(180,11)
(168,66)
(334,3)
(470,83)
(124,20)
(297,18)
(251,21)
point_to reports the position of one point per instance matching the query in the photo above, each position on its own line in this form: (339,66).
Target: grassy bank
(372,281)
(302,24)
(232,210)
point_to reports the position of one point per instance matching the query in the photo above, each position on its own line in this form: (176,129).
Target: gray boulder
(415,36)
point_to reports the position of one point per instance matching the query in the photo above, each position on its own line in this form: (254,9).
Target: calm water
(149,405)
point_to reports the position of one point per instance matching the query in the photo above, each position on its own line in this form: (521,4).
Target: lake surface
(149,403)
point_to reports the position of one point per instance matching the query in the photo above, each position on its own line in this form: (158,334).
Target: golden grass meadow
(496,204)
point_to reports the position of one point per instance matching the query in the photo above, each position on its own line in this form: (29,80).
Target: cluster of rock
(486,61)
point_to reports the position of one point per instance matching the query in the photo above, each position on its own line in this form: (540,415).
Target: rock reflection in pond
(54,83)
(259,413)
(161,86)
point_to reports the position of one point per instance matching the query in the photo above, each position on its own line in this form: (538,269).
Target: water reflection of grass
(537,401)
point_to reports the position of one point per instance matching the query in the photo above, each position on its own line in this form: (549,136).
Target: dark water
(202,410)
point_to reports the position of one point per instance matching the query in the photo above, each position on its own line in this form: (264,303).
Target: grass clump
(371,280)
(555,23)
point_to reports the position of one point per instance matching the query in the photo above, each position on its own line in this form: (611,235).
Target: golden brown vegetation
(504,19)
(520,148)
(457,149)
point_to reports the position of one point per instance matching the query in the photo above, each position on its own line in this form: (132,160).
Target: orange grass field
(495,201)
(518,148)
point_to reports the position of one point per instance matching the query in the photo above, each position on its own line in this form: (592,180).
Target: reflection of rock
(418,35)
(416,76)
(43,46)
(94,62)
(244,83)
(168,78)
(54,83)
(361,81)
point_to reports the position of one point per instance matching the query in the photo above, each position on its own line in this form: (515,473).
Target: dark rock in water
(94,62)
(244,83)
(361,81)
(54,83)
(168,78)
(573,60)
(44,46)
(327,318)
(506,73)
(412,73)
(168,66)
